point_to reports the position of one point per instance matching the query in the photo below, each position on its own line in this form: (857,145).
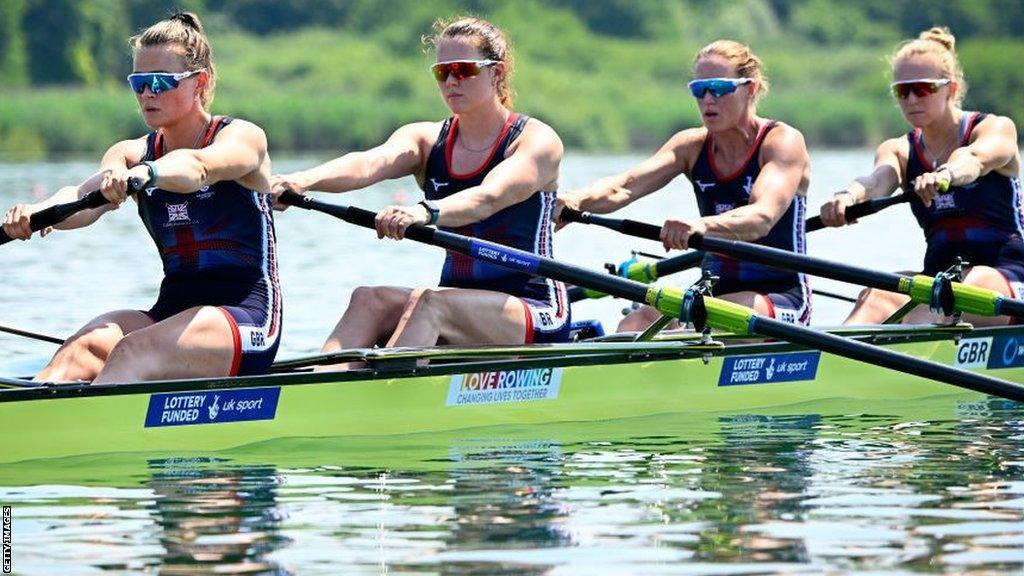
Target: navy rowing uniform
(979,222)
(526,226)
(218,249)
(787,293)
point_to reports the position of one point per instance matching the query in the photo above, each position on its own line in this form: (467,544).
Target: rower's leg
(372,315)
(83,355)
(638,320)
(460,316)
(196,343)
(874,306)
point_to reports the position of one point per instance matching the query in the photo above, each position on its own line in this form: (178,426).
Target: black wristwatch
(432,210)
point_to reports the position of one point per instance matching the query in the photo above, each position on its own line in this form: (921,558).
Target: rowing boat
(407,391)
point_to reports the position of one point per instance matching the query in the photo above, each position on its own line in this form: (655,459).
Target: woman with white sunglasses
(750,176)
(204,203)
(978,218)
(487,172)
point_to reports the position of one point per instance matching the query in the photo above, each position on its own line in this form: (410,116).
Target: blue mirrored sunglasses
(717,86)
(158,81)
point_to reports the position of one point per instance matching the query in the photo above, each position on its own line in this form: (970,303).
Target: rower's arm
(614,192)
(238,151)
(401,155)
(784,173)
(120,156)
(884,179)
(532,166)
(994,148)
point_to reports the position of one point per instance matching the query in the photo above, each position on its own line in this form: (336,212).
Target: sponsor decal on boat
(769,368)
(1006,352)
(502,257)
(188,408)
(973,353)
(504,386)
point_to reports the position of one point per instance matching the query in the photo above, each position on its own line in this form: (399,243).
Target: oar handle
(352,215)
(862,209)
(60,212)
(626,226)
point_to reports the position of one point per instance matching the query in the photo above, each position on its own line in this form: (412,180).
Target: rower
(750,176)
(979,218)
(205,205)
(486,171)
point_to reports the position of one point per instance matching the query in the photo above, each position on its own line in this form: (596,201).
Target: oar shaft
(30,334)
(866,208)
(867,353)
(58,213)
(674,302)
(801,263)
(486,251)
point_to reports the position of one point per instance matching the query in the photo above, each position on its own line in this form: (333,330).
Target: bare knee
(132,346)
(426,302)
(380,301)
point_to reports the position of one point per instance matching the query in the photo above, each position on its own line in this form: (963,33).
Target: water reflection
(784,494)
(210,516)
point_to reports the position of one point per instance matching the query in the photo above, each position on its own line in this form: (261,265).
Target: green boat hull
(178,417)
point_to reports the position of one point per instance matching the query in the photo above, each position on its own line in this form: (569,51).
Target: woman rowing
(979,217)
(750,175)
(204,204)
(486,171)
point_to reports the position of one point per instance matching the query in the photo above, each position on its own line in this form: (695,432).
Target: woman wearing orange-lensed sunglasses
(750,175)
(486,171)
(979,217)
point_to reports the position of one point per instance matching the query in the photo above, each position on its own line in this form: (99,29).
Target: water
(899,492)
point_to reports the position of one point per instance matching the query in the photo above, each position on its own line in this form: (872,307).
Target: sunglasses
(158,81)
(717,86)
(920,88)
(460,69)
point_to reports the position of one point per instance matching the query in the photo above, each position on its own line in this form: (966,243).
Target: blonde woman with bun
(979,217)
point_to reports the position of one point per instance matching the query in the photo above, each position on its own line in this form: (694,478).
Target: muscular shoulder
(539,136)
(239,128)
(784,142)
(993,124)
(785,138)
(131,151)
(685,147)
(898,148)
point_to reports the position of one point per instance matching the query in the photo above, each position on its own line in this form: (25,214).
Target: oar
(921,289)
(862,209)
(30,334)
(646,272)
(687,305)
(59,212)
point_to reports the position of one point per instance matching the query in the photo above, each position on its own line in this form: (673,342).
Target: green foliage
(607,75)
(13,61)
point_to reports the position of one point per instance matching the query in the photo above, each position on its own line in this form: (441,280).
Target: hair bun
(940,34)
(188,19)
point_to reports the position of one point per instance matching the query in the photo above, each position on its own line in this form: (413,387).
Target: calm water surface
(900,490)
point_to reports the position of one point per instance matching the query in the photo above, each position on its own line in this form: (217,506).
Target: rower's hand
(279,183)
(930,184)
(17,221)
(393,221)
(675,234)
(833,212)
(564,201)
(115,186)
